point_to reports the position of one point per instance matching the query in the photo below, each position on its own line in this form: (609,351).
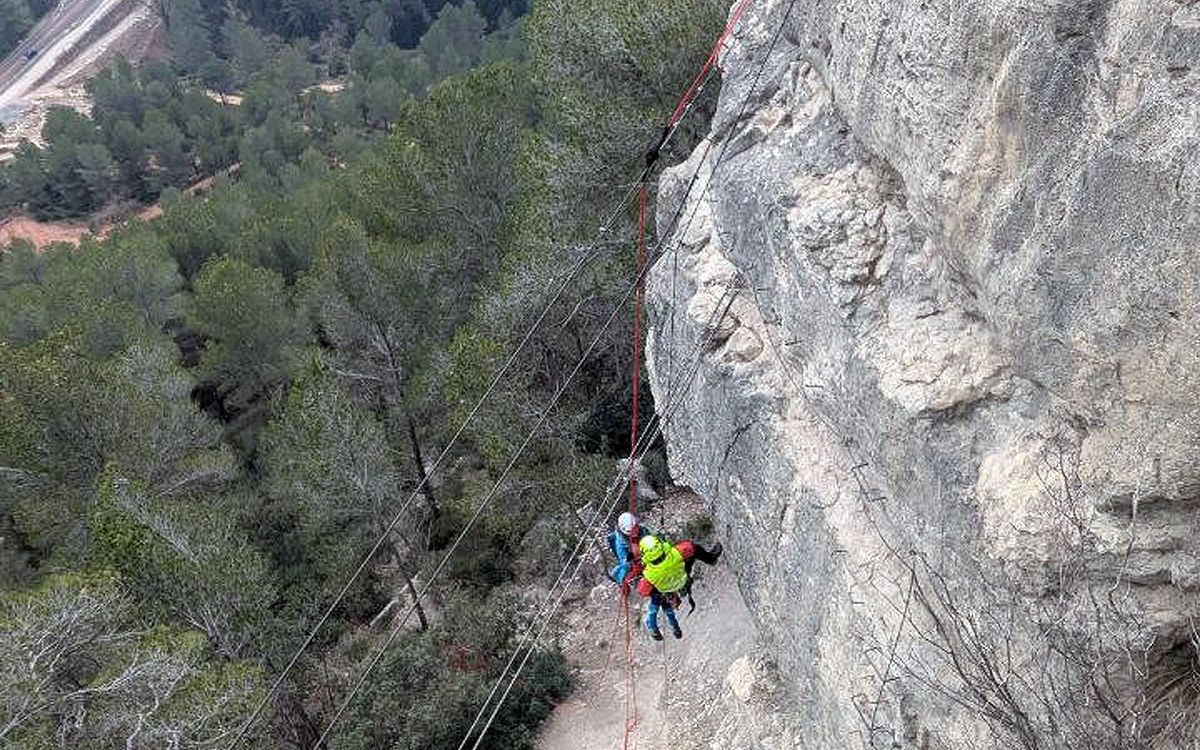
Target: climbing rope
(685,103)
(639,446)
(631,707)
(676,399)
(713,56)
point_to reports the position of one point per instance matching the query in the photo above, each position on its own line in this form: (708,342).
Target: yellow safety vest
(669,574)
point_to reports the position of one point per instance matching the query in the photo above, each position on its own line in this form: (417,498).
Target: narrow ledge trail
(709,690)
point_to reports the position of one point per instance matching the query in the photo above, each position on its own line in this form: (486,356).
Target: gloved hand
(631,579)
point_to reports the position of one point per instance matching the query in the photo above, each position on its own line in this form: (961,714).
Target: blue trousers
(652,610)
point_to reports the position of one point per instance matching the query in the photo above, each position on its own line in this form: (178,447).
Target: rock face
(930,347)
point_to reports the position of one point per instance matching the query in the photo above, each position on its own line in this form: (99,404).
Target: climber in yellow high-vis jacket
(666,571)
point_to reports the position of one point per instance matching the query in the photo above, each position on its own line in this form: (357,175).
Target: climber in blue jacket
(623,543)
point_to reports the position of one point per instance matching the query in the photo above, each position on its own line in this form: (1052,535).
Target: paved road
(55,38)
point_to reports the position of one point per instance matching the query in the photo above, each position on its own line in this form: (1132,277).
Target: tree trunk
(422,477)
(410,424)
(408,583)
(412,590)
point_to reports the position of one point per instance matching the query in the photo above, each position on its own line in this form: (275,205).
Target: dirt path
(42,234)
(713,685)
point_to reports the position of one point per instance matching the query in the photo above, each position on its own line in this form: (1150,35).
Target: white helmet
(627,522)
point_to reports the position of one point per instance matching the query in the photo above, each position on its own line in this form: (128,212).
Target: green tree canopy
(254,340)
(79,668)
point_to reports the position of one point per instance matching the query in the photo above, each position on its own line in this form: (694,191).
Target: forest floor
(712,689)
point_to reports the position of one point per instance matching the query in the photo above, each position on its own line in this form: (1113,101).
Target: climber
(623,543)
(667,577)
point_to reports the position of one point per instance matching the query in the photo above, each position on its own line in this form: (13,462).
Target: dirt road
(50,65)
(50,42)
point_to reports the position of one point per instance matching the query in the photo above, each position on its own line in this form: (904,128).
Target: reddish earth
(44,233)
(41,233)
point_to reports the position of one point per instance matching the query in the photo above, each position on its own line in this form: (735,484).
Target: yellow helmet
(652,549)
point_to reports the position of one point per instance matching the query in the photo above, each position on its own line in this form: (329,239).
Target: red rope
(631,706)
(692,88)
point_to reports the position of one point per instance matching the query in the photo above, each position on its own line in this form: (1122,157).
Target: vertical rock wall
(930,345)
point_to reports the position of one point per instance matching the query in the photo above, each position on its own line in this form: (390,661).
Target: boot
(657,635)
(677,631)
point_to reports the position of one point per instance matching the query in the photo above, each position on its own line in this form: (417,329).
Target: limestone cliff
(949,423)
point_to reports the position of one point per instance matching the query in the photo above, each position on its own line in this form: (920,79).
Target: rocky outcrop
(930,346)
